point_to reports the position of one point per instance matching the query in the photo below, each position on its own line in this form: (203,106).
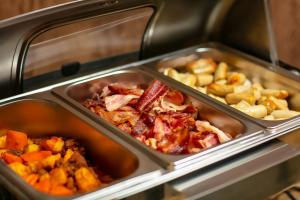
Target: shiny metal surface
(248,33)
(43,115)
(78,92)
(270,76)
(17,33)
(156,177)
(257,174)
(178,24)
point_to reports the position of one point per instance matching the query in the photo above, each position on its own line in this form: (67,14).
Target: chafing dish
(268,75)
(40,117)
(80,91)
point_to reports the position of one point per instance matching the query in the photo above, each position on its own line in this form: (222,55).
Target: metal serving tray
(270,76)
(78,92)
(42,115)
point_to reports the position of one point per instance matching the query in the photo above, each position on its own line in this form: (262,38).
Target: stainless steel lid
(23,35)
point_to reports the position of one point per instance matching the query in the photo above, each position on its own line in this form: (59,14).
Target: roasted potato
(284,114)
(202,66)
(257,111)
(281,94)
(236,78)
(234,98)
(221,71)
(219,89)
(204,79)
(232,88)
(85,179)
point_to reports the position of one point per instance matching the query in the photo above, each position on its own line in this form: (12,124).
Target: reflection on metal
(272,43)
(177,24)
(257,174)
(87,40)
(245,28)
(17,33)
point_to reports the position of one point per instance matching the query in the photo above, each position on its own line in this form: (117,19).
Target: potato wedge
(204,79)
(202,66)
(257,111)
(219,89)
(234,98)
(284,114)
(281,94)
(221,71)
(236,78)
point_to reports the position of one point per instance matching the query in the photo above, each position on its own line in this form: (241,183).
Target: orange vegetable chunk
(35,156)
(86,180)
(10,158)
(44,184)
(60,190)
(54,144)
(32,179)
(16,140)
(58,176)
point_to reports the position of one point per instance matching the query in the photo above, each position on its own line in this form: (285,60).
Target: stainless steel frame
(17,33)
(254,175)
(158,176)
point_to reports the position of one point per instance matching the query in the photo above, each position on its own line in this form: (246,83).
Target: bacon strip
(121,89)
(174,97)
(117,101)
(162,118)
(152,93)
(203,126)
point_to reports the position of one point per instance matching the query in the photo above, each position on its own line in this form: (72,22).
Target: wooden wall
(10,8)
(85,41)
(286,24)
(285,14)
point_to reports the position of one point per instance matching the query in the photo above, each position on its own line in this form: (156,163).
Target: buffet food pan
(241,130)
(270,77)
(42,117)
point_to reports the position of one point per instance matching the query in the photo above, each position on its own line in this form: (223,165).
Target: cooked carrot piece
(54,144)
(35,156)
(10,158)
(60,190)
(16,140)
(44,184)
(32,179)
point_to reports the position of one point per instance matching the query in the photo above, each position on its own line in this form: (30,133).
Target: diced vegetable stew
(52,165)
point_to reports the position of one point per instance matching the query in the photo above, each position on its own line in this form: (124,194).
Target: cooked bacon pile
(51,165)
(157,116)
